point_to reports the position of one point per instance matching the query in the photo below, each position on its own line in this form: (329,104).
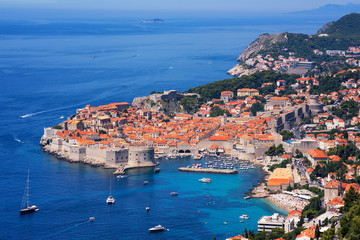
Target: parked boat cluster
(228,163)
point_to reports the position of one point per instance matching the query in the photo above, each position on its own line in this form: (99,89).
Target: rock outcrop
(264,41)
(239,71)
(324,28)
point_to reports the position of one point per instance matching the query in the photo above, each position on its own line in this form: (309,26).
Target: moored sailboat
(25,206)
(110,199)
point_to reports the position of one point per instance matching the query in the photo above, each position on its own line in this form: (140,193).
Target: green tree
(317,232)
(256,107)
(271,151)
(246,235)
(328,235)
(298,154)
(350,199)
(216,111)
(287,135)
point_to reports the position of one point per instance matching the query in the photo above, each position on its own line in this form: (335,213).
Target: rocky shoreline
(67,159)
(259,190)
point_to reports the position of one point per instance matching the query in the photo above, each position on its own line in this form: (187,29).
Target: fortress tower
(314,105)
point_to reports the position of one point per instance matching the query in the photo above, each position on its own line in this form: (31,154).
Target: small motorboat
(244,216)
(121,176)
(91,219)
(156,170)
(173,194)
(205,180)
(146,182)
(157,228)
(147,208)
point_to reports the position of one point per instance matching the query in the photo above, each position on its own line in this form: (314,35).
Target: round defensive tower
(140,156)
(315,105)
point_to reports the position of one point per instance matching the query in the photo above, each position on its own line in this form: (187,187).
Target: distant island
(155,20)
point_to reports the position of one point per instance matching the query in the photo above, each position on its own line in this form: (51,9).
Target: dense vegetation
(350,221)
(217,111)
(327,85)
(303,45)
(257,107)
(287,135)
(191,104)
(342,34)
(214,89)
(314,208)
(347,110)
(335,167)
(345,151)
(275,151)
(348,25)
(280,165)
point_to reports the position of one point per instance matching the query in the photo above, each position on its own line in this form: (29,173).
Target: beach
(288,202)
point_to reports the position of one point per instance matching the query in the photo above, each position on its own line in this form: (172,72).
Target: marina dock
(208,170)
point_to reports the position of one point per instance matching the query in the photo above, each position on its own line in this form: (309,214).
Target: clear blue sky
(182,5)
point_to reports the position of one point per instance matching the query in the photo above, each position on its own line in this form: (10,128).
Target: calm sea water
(50,68)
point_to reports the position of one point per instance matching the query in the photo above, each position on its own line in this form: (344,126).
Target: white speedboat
(205,180)
(147,208)
(173,194)
(244,216)
(157,228)
(121,176)
(91,219)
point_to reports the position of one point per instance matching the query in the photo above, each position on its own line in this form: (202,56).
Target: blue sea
(51,67)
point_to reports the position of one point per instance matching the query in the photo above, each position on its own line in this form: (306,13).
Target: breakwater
(207,170)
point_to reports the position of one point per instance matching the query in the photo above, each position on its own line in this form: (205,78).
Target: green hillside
(346,27)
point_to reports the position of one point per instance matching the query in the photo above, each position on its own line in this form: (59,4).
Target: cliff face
(239,71)
(262,42)
(324,28)
(139,102)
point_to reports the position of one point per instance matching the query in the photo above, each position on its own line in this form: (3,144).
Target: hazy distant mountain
(334,10)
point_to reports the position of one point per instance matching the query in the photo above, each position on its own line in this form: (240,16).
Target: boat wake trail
(37,113)
(62,108)
(73,225)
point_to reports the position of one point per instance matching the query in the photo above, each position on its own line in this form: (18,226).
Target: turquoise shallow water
(50,68)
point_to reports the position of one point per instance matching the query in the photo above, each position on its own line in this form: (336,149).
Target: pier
(208,170)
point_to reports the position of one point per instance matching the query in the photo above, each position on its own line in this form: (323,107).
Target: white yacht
(157,228)
(110,199)
(25,206)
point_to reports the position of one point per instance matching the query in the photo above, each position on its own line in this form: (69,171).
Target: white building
(267,223)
